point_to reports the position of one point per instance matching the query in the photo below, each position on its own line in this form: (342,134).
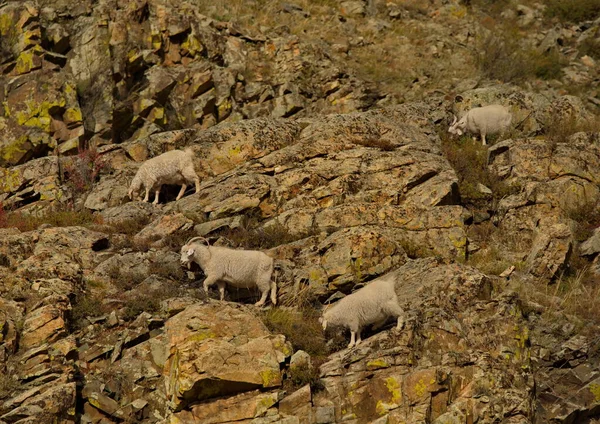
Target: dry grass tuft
(559,130)
(469,160)
(505,55)
(574,294)
(301,328)
(67,217)
(573,10)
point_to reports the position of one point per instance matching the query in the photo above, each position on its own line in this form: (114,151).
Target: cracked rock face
(300,157)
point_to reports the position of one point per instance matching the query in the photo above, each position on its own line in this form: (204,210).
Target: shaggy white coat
(238,268)
(492,119)
(372,304)
(173,167)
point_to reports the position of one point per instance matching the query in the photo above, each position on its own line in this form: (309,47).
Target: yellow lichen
(201,335)
(377,364)
(282,347)
(6,23)
(72,115)
(192,45)
(11,152)
(264,404)
(270,377)
(421,388)
(24,62)
(10,180)
(595,390)
(394,388)
(224,109)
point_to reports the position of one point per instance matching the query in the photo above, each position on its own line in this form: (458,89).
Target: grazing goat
(372,304)
(174,167)
(486,120)
(238,268)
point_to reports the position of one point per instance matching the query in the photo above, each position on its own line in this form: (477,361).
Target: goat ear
(190,252)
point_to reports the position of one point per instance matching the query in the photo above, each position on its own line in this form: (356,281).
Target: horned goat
(238,268)
(173,167)
(486,120)
(372,304)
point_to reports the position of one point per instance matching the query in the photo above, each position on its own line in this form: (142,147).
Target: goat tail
(274,290)
(189,152)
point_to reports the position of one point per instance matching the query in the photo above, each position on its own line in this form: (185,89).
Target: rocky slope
(304,154)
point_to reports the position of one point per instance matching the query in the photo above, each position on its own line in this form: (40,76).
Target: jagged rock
(360,387)
(592,245)
(245,406)
(163,227)
(201,338)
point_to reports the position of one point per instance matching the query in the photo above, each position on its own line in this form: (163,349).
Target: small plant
(83,171)
(575,293)
(300,376)
(169,270)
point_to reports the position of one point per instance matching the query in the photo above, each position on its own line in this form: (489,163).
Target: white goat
(238,268)
(492,119)
(174,167)
(372,304)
